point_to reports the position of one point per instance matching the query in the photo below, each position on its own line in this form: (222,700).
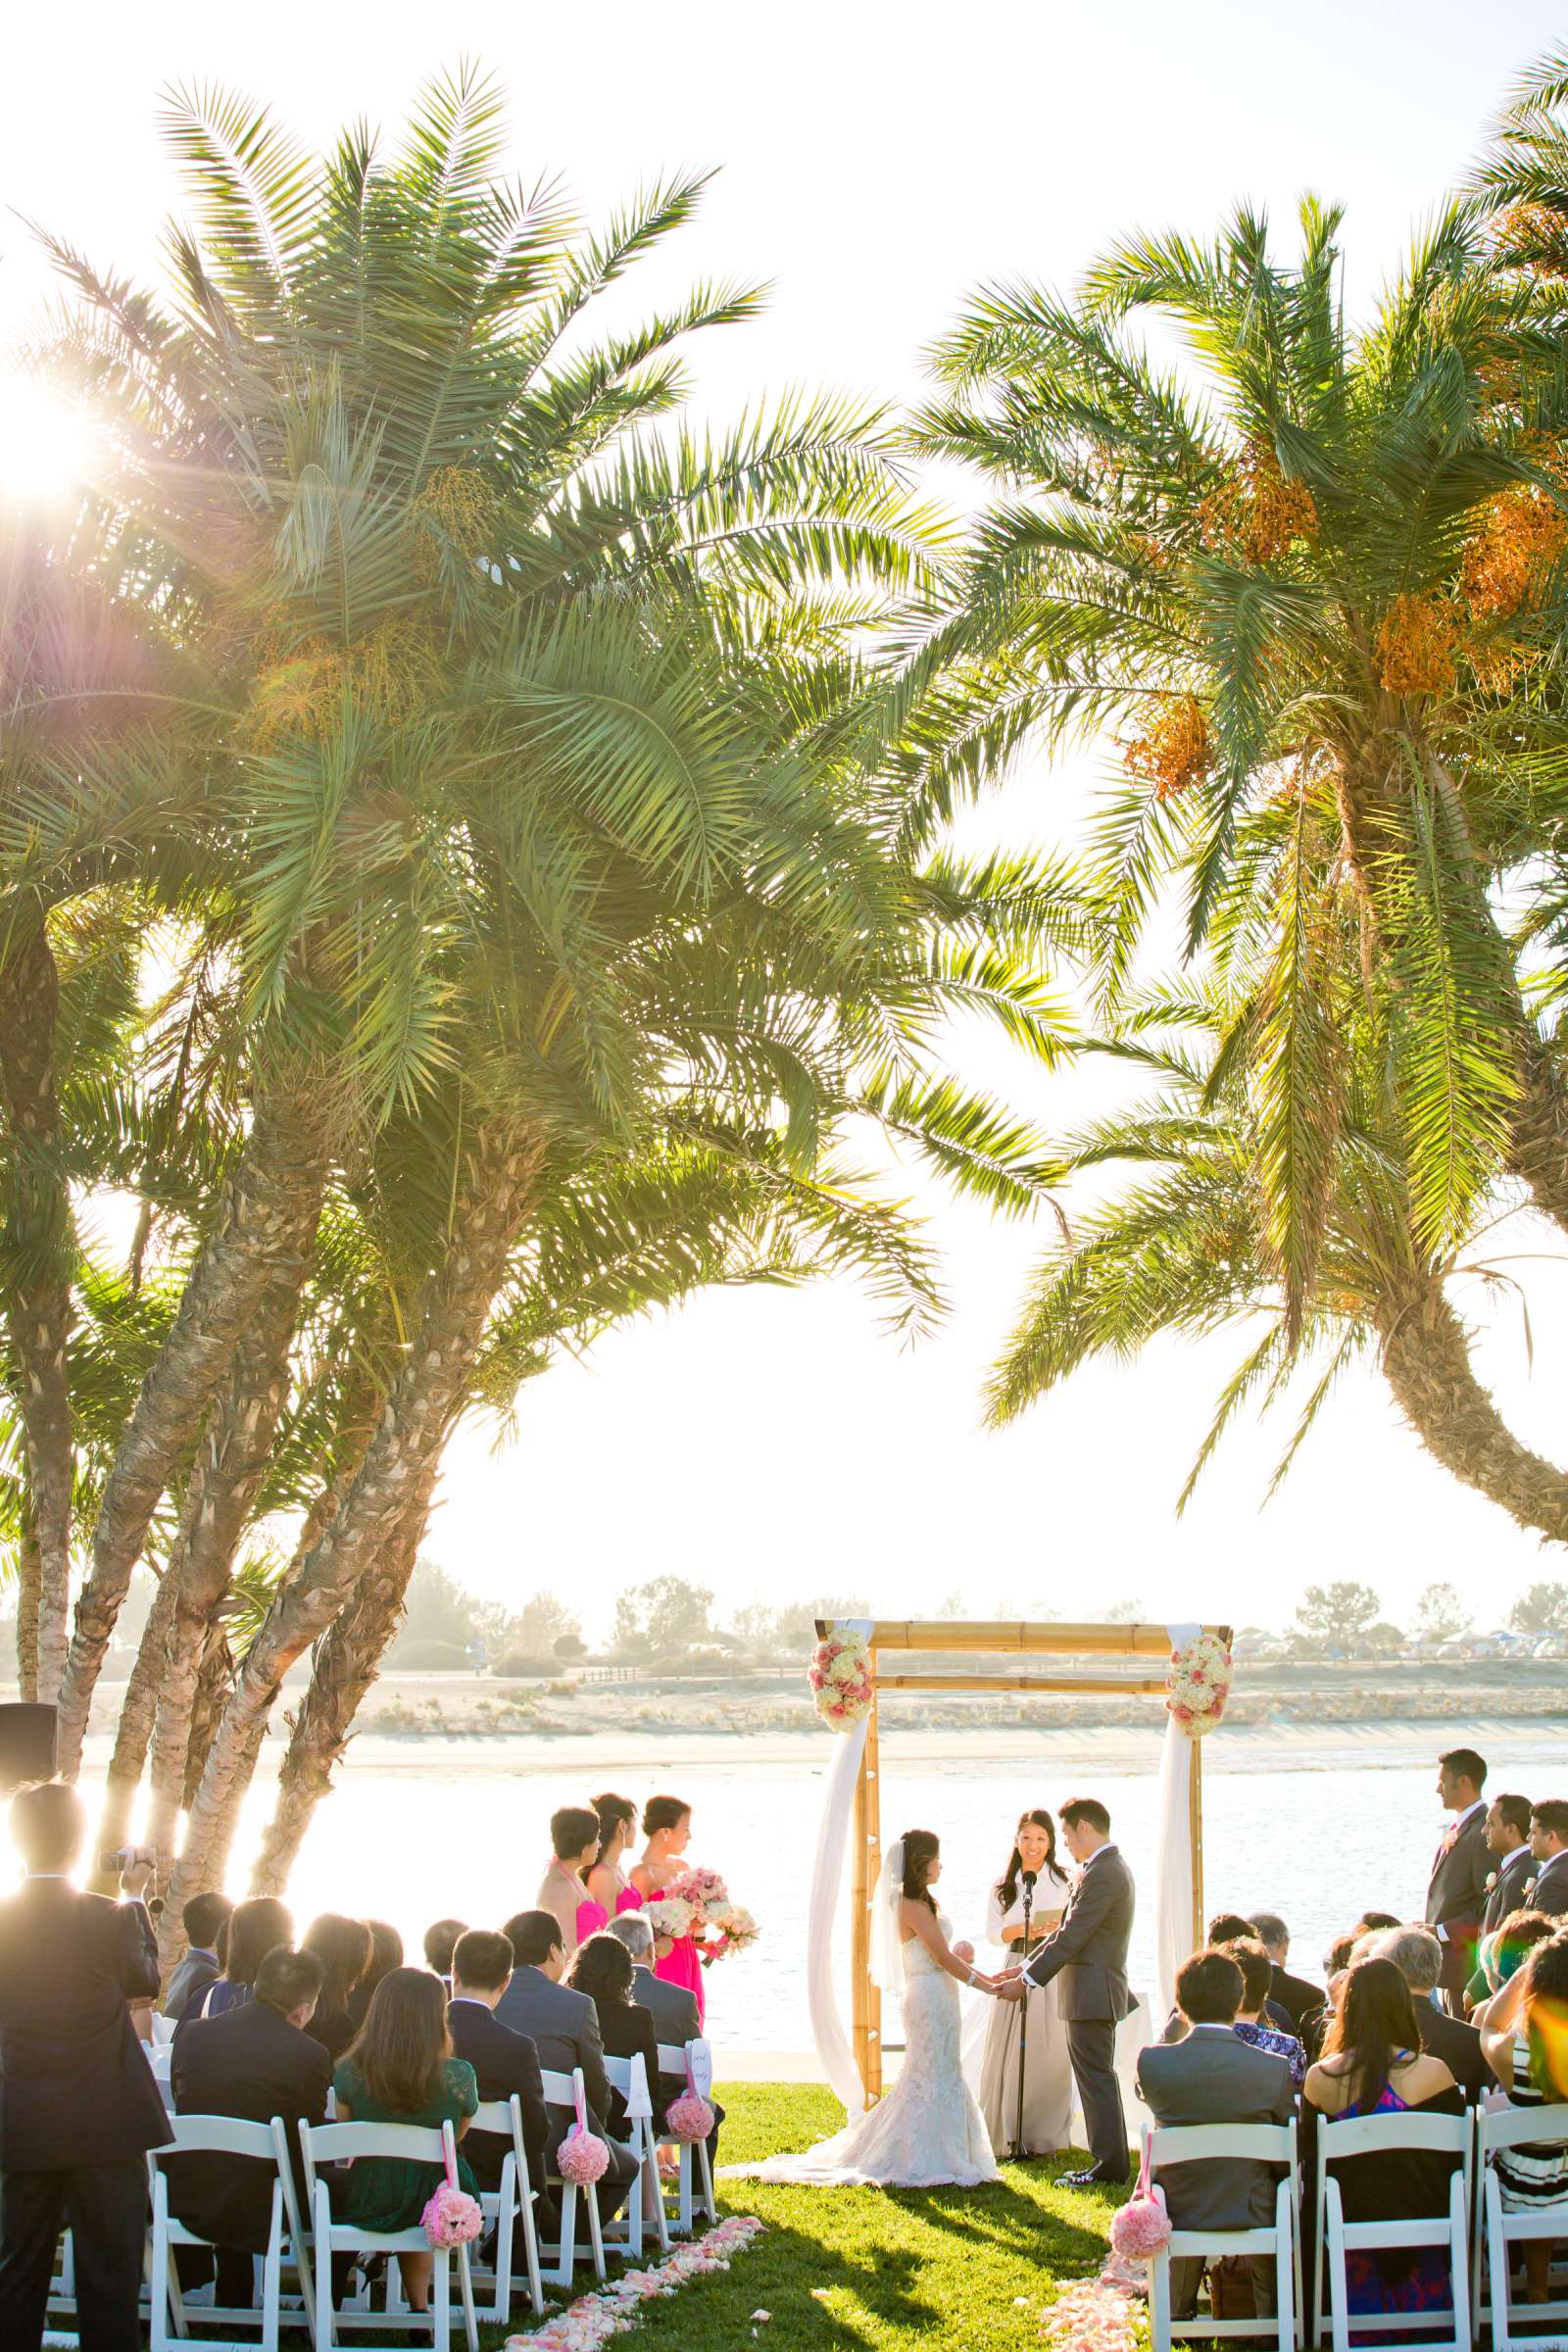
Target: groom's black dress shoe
(1094,2178)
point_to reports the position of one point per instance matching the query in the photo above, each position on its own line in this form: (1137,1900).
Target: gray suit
(1516,1876)
(1213,2078)
(671,2007)
(1550,1893)
(564,2026)
(1088,1952)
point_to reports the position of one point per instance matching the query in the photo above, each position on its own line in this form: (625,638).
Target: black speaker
(26,1745)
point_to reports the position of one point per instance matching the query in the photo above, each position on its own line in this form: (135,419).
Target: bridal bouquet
(669,1915)
(1198,1685)
(840,1676)
(707,1896)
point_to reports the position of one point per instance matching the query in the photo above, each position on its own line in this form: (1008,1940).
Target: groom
(1089,1951)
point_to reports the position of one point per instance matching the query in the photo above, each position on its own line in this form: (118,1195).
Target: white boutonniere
(1492,1880)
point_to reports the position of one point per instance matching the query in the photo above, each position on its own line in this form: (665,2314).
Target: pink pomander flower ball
(690,2117)
(1140,2227)
(453,2218)
(583,2158)
(966,1952)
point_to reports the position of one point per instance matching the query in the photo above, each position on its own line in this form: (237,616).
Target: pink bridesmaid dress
(680,1965)
(591,1917)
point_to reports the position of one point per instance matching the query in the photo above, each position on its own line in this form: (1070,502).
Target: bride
(927,2132)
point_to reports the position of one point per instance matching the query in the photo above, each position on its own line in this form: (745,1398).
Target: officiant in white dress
(1031,1886)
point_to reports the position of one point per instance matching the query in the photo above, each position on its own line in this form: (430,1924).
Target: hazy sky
(874,164)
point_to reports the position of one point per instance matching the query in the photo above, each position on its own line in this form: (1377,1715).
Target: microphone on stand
(1018,2148)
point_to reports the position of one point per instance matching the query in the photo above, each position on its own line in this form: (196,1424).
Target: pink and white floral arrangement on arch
(1198,1685)
(840,1676)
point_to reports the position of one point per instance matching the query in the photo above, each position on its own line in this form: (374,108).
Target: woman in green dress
(400,2070)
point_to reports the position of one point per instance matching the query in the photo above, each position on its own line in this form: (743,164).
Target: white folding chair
(629,2077)
(676,2058)
(505,2206)
(1499,2231)
(1382,2135)
(324,2144)
(562,2091)
(262,2143)
(1174,2145)
(162,2029)
(161,2063)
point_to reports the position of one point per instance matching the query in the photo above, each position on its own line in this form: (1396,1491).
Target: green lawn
(839,2269)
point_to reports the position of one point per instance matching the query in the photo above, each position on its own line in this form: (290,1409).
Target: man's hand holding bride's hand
(1011,1986)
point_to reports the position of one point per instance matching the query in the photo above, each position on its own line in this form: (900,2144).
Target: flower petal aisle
(613,2308)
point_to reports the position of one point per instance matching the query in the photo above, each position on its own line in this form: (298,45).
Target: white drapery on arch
(1173,1851)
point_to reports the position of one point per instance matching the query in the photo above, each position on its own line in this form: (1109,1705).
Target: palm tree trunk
(400,1463)
(267,1222)
(224,1482)
(1538,1143)
(1426,1358)
(38,1295)
(343,1665)
(27,1578)
(134,1727)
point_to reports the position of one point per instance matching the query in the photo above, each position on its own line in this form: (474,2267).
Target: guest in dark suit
(1456,1893)
(204,1919)
(343,1948)
(1089,1953)
(1418,1956)
(440,1942)
(504,2062)
(564,2027)
(254,2062)
(254,1928)
(1513,1871)
(1549,1843)
(79,2106)
(1210,2077)
(1293,1997)
(1224,1931)
(602,1969)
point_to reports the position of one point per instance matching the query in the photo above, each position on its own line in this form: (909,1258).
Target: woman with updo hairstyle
(602,1969)
(608,1883)
(667,1832)
(1031,1872)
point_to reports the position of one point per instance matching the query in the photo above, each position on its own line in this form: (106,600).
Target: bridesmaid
(1047,2081)
(667,1831)
(606,1882)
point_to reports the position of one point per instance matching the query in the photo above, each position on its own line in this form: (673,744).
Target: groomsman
(1456,1893)
(1089,1952)
(1549,1843)
(1514,1872)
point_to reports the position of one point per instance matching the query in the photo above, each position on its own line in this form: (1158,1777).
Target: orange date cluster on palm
(393,674)
(1174,752)
(1257,513)
(1513,551)
(1415,651)
(1533,237)
(458,505)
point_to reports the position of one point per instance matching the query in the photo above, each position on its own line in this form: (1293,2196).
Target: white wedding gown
(927,2133)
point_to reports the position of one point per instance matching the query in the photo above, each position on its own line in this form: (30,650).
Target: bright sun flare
(45,441)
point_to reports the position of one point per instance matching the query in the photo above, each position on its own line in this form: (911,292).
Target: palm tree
(1307,566)
(1186,1248)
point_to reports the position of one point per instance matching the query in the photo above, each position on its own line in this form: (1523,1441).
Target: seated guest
(254,1928)
(1418,1956)
(1225,1929)
(1505,1952)
(343,1948)
(1293,1994)
(203,1920)
(440,1941)
(1549,1843)
(79,2107)
(1209,2077)
(504,2062)
(1525,2037)
(574,1836)
(386,1954)
(1374,1922)
(671,2007)
(401,2069)
(1336,1961)
(602,1969)
(1258,1971)
(254,2062)
(1372,2064)
(564,2027)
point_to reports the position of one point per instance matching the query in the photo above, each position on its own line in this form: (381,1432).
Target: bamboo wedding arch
(947,1635)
